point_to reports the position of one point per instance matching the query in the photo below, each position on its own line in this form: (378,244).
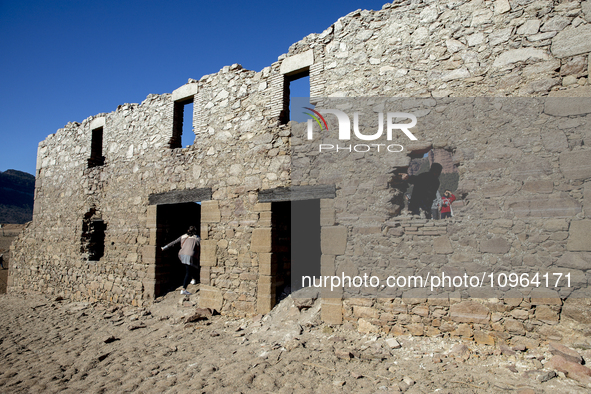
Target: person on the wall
(436,206)
(446,200)
(425,190)
(189,255)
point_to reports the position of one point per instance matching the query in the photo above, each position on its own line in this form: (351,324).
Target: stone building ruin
(502,84)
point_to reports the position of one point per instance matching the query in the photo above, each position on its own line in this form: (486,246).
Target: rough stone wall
(511,182)
(235,155)
(66,190)
(472,48)
(523,167)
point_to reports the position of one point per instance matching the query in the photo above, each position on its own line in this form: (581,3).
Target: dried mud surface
(52,345)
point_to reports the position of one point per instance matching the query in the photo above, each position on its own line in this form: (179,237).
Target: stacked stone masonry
(525,195)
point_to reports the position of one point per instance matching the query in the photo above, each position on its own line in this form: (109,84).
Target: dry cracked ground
(53,345)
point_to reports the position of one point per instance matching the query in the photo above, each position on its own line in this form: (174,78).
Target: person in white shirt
(189,254)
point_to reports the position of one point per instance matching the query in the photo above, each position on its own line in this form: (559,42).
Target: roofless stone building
(489,82)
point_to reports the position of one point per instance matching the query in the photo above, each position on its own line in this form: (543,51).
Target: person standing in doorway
(189,255)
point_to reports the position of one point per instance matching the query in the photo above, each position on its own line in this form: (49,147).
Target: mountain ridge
(17,191)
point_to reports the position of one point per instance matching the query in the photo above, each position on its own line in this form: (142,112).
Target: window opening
(96,149)
(296,96)
(182,124)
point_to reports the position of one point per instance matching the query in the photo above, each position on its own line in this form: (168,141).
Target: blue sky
(63,61)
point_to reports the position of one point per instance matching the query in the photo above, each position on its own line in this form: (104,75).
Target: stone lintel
(180,196)
(417,149)
(185,92)
(297,63)
(297,193)
(97,123)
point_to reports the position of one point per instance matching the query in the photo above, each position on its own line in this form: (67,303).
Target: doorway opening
(295,243)
(173,220)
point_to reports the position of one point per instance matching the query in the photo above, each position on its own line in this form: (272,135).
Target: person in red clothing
(446,201)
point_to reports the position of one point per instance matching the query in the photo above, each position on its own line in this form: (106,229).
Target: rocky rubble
(50,345)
